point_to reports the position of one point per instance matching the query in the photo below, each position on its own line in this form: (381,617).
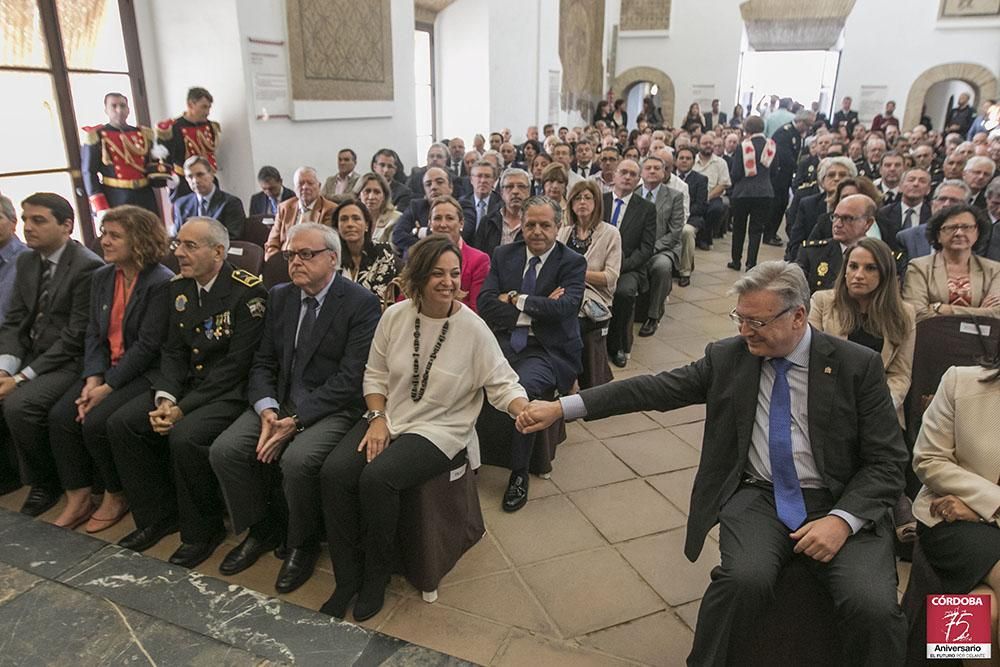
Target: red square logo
(958,626)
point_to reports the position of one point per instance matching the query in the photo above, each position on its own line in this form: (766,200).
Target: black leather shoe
(701,245)
(193,555)
(648,327)
(619,359)
(735,266)
(39,501)
(371,598)
(246,554)
(338,603)
(775,241)
(143,538)
(684,281)
(296,569)
(10,486)
(516,494)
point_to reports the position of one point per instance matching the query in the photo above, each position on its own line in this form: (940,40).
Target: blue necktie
(787,492)
(617,212)
(519,337)
(297,390)
(204,208)
(480,211)
(272,205)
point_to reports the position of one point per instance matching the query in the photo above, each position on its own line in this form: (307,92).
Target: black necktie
(908,218)
(298,390)
(44,297)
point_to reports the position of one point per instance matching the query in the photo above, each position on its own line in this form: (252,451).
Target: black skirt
(962,553)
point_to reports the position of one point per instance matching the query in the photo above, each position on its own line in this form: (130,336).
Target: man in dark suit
(456,157)
(272,193)
(41,343)
(305,393)
(868,166)
(910,210)
(412,225)
(788,142)
(714,118)
(977,174)
(635,219)
(802,458)
(531,300)
(437,156)
(386,163)
(206,200)
(845,117)
(667,247)
(483,199)
(584,165)
(698,193)
(503,225)
(216,321)
(913,241)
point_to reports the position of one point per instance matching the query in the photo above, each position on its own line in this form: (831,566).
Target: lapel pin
(828,370)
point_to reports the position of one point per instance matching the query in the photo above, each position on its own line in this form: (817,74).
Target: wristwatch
(512,296)
(372,415)
(19,379)
(298,425)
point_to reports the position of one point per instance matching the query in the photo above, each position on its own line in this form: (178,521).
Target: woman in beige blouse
(431,361)
(601,245)
(957,458)
(864,307)
(374,193)
(952,280)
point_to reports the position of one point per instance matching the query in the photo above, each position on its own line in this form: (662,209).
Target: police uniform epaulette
(815,243)
(90,135)
(165,129)
(246,278)
(786,126)
(215,127)
(179,276)
(147,133)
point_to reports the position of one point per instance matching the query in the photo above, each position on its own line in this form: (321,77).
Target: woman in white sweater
(430,361)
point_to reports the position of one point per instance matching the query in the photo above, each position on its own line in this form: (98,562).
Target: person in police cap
(216,322)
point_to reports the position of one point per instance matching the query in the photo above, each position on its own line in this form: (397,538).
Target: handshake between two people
(538,415)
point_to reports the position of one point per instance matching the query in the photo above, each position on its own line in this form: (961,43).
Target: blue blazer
(554,321)
(914,241)
(223,207)
(258,202)
(333,359)
(144,327)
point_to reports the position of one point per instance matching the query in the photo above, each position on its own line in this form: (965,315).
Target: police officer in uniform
(216,322)
(191,133)
(114,157)
(820,259)
(788,141)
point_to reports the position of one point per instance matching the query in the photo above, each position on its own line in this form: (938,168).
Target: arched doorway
(637,82)
(981,80)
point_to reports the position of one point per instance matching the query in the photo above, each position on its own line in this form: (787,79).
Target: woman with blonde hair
(374,192)
(601,245)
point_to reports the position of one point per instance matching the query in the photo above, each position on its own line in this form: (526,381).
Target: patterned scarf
(749,155)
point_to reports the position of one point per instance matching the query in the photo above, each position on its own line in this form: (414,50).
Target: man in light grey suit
(802,458)
(41,340)
(666,250)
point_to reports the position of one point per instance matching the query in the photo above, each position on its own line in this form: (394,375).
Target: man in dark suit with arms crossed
(810,464)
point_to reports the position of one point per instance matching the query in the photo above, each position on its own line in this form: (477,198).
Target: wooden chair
(438,522)
(256,231)
(247,256)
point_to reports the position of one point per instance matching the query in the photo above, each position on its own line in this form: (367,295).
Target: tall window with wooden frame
(58,58)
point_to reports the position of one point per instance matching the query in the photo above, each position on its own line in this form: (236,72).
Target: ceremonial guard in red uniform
(190,134)
(114,158)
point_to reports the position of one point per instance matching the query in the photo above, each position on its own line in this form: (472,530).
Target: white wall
(874,55)
(193,42)
(461,37)
(701,47)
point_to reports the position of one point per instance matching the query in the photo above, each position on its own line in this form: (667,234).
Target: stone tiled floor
(591,571)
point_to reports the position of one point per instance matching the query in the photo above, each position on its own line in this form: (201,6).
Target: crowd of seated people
(511,272)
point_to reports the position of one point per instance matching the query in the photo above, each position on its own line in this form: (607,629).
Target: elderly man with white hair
(978,172)
(308,205)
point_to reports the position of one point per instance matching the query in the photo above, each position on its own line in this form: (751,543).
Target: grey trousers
(246,482)
(754,546)
(660,271)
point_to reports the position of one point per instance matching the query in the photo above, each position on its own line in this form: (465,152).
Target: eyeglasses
(847,219)
(739,320)
(305,254)
(189,246)
(951,229)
